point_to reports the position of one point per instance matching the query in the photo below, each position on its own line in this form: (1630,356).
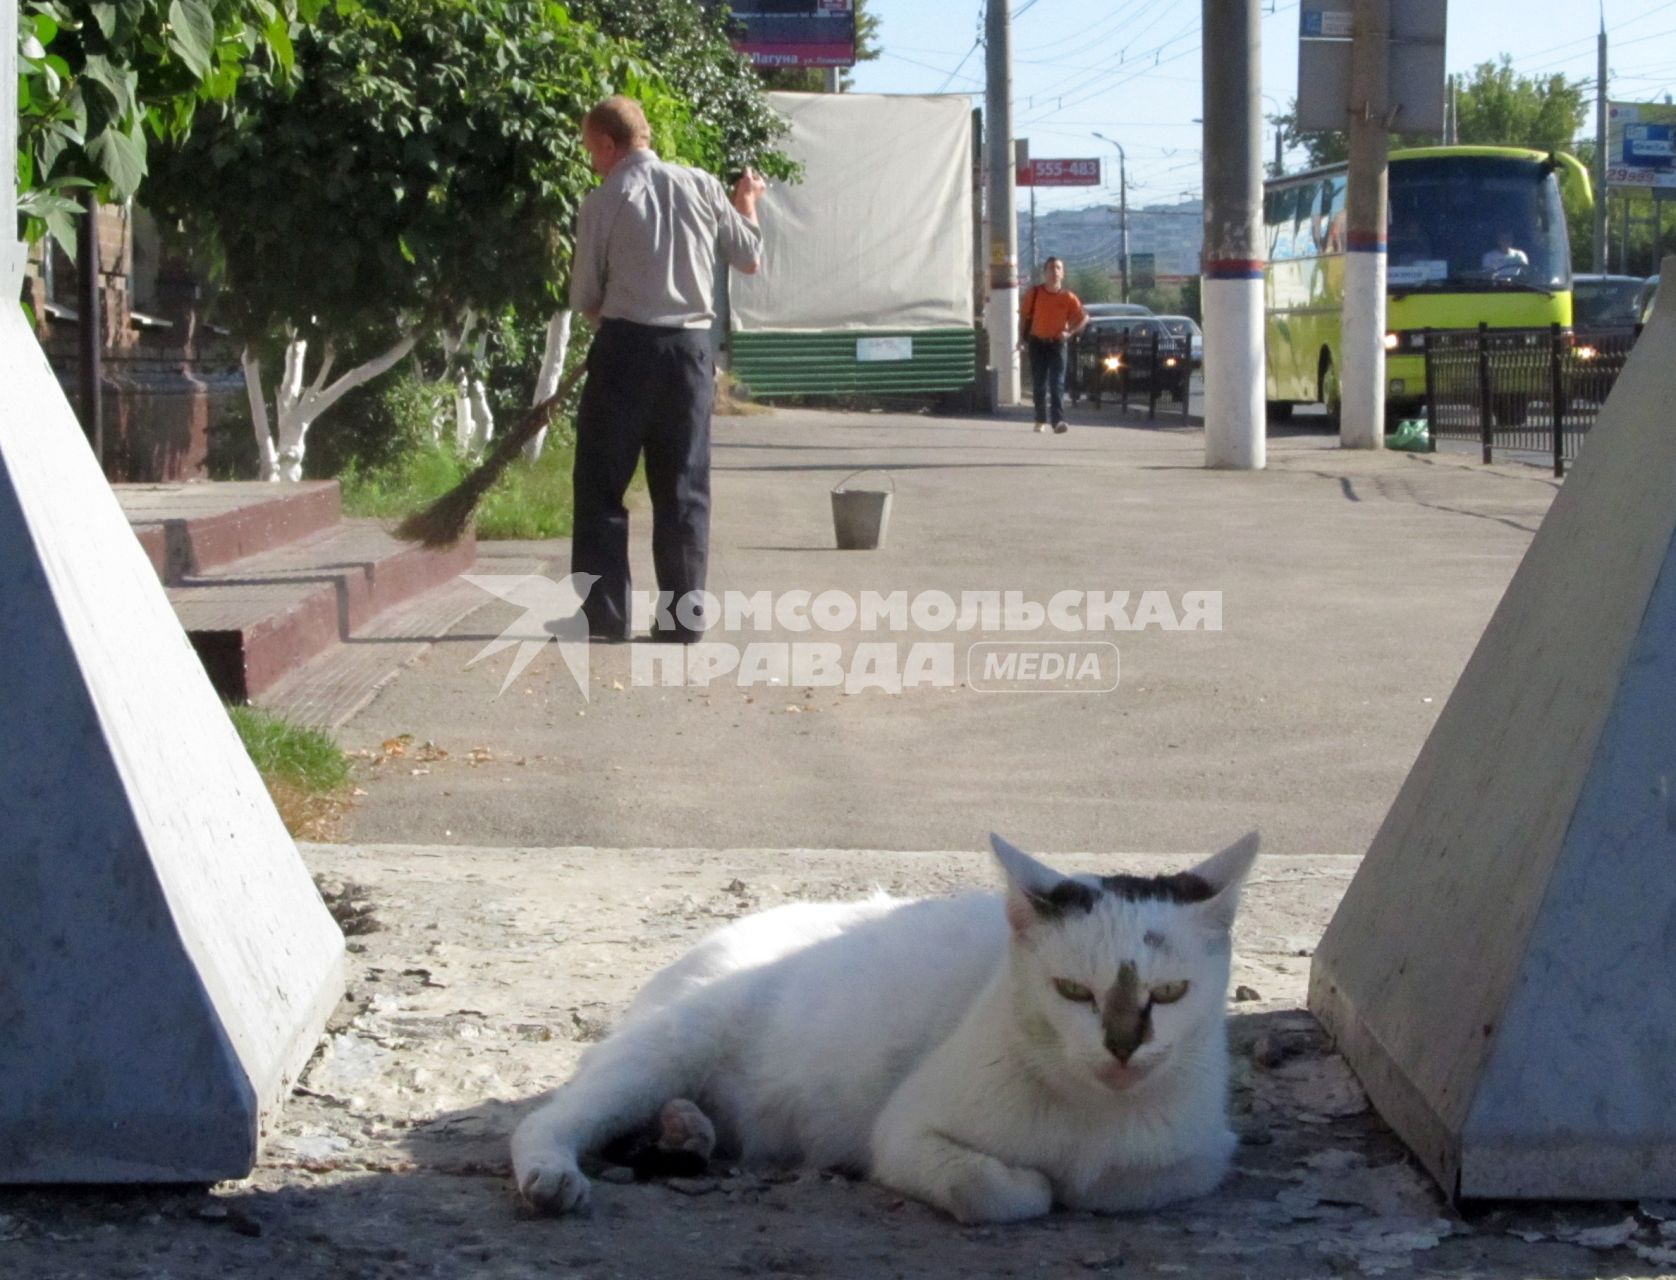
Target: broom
(444,521)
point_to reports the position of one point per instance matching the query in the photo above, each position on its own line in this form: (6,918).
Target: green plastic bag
(1412,435)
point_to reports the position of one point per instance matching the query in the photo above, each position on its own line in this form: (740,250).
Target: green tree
(99,81)
(733,122)
(1091,283)
(424,172)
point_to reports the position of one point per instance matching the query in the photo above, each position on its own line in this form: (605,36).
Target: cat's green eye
(1073,991)
(1169,992)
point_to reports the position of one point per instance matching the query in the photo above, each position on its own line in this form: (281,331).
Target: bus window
(1333,205)
(1283,216)
(1489,222)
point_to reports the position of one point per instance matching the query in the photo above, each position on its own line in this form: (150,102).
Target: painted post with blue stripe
(1234,241)
(1362,421)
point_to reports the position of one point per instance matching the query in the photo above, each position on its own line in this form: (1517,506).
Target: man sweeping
(647,241)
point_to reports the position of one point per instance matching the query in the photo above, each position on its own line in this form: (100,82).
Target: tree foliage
(732,121)
(100,80)
(425,164)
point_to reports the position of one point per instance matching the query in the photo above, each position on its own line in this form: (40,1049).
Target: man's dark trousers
(650,390)
(1047,378)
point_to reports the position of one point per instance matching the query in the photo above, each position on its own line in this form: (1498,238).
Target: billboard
(1058,173)
(794,33)
(1415,61)
(1640,144)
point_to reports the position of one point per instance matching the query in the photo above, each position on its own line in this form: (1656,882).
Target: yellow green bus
(1475,235)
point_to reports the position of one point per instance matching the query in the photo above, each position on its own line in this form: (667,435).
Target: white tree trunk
(259,416)
(552,368)
(483,419)
(462,412)
(298,404)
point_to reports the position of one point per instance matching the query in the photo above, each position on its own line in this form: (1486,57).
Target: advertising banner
(795,33)
(1639,144)
(1059,173)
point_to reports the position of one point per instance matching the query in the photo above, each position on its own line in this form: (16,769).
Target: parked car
(1649,295)
(1097,309)
(1118,351)
(1605,304)
(1186,326)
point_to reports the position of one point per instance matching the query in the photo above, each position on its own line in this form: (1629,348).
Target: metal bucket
(859,516)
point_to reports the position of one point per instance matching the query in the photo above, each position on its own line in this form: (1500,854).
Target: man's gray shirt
(647,239)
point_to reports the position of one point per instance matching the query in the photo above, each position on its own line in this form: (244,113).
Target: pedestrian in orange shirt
(1049,317)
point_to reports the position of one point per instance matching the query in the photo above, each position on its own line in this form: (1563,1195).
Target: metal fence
(1520,390)
(1124,366)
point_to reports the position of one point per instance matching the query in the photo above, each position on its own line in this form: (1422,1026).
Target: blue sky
(1130,69)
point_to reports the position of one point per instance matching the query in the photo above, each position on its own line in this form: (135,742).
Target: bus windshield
(1464,224)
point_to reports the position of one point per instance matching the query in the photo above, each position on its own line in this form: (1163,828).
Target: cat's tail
(621,1084)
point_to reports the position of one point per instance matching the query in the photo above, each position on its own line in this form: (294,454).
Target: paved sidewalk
(1354,586)
(521,864)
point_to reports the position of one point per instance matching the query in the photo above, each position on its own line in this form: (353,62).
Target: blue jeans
(1047,379)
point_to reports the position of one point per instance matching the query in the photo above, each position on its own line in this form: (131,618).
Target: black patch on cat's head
(1065,898)
(1183,887)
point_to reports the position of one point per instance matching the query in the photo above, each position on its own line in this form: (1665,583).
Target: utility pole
(1452,117)
(1122,212)
(1233,255)
(1600,147)
(1362,416)
(1002,316)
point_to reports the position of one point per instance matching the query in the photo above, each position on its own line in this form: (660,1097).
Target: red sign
(1059,173)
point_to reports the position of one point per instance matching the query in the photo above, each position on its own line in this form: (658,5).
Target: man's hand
(747,191)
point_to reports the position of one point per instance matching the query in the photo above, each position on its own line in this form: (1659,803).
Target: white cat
(990,1054)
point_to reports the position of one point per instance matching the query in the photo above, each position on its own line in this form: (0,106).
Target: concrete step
(256,619)
(327,691)
(191,528)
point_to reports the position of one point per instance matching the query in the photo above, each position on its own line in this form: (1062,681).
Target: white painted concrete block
(1502,971)
(166,964)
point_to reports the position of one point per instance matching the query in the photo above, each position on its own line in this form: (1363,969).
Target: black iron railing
(1124,364)
(1520,390)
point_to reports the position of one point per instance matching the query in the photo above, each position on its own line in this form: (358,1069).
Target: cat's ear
(1225,872)
(1028,882)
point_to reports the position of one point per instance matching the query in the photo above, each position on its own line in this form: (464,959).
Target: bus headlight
(1112,363)
(1391,341)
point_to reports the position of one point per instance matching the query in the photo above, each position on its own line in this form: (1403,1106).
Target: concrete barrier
(166,964)
(1502,971)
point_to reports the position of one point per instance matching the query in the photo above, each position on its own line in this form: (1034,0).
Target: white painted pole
(1234,245)
(1362,422)
(1002,315)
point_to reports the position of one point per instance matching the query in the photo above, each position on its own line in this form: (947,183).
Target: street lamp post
(1122,211)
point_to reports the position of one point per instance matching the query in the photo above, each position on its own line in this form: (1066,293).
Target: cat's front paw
(990,1191)
(553,1184)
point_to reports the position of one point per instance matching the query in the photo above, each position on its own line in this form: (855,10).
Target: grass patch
(305,773)
(532,500)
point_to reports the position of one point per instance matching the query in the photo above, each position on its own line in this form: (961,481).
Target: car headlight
(1391,341)
(1586,352)
(1170,363)
(1113,363)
